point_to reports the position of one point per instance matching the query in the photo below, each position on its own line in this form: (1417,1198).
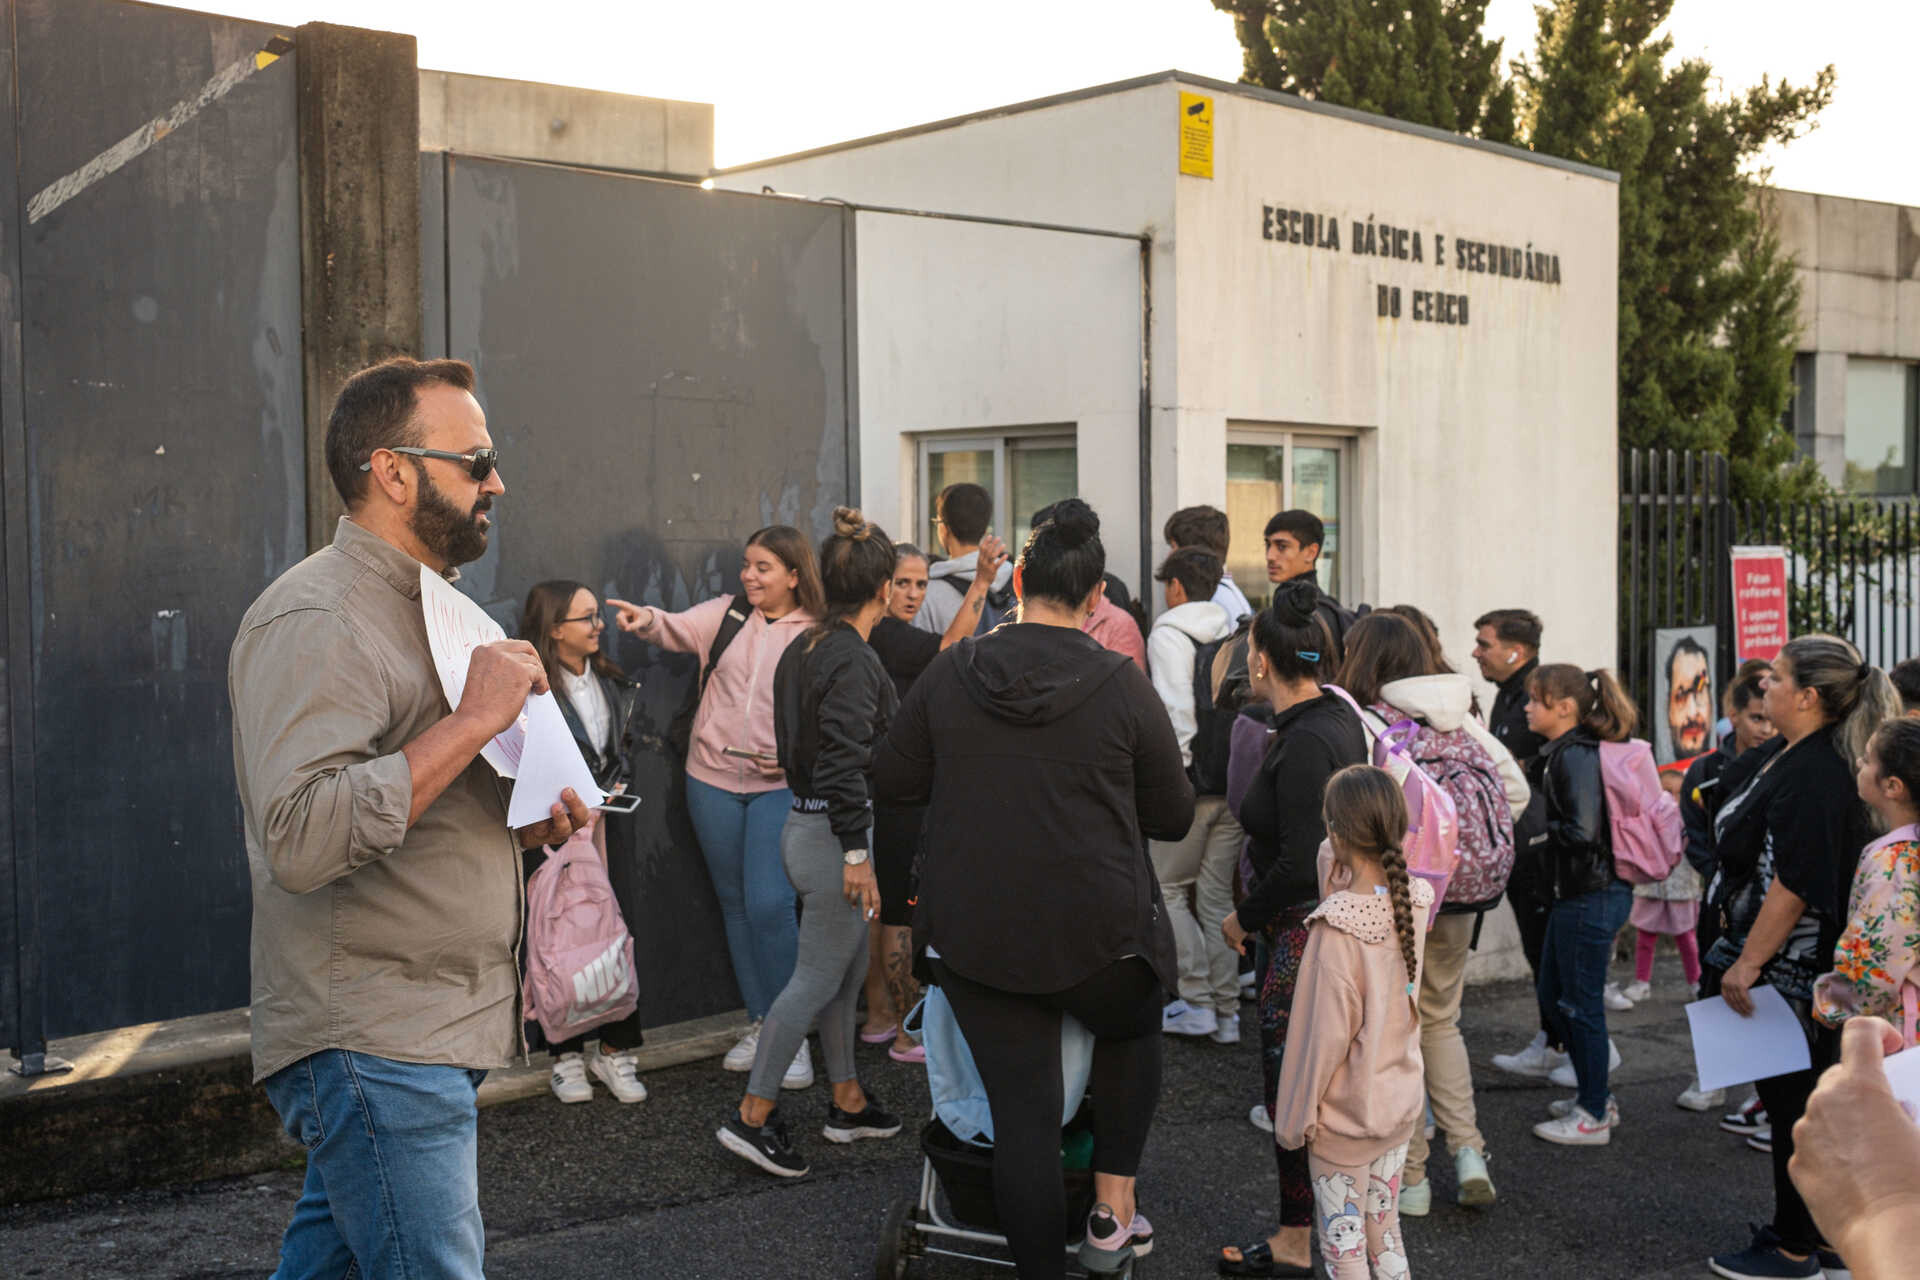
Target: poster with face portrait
(1685,700)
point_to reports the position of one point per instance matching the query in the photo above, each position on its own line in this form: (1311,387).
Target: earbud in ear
(1513,655)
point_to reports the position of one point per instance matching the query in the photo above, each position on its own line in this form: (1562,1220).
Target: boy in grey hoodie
(962,513)
(1196,873)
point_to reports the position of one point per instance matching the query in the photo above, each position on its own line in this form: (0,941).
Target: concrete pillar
(1823,433)
(359,115)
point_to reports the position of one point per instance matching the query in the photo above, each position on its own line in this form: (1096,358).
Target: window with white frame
(1274,469)
(1022,471)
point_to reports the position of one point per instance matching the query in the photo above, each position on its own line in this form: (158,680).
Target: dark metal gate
(665,370)
(154,480)
(1675,528)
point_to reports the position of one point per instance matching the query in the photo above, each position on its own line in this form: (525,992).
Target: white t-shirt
(589,702)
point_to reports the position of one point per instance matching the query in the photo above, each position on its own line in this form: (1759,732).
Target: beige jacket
(1351,1084)
(367,935)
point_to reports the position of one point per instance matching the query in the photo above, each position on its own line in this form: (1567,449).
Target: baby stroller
(953,1214)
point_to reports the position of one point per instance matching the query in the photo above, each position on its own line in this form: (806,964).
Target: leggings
(1285,941)
(1015,1039)
(832,963)
(1358,1207)
(1785,1098)
(740,838)
(1687,944)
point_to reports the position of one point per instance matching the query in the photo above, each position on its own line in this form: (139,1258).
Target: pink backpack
(1644,819)
(579,953)
(1433,824)
(1470,776)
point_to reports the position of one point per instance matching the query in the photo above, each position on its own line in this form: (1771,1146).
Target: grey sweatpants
(832,964)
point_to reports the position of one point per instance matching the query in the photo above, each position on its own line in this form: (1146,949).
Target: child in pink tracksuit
(1352,1083)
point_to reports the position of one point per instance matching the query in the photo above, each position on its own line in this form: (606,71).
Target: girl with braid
(1351,1085)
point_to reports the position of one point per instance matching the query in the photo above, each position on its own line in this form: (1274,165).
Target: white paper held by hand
(550,763)
(456,626)
(1729,1049)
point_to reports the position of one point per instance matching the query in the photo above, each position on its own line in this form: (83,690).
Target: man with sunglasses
(386,885)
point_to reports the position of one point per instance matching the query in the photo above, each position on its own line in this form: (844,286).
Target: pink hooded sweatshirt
(737,710)
(1115,629)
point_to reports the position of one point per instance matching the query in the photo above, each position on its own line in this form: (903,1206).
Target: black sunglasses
(480,463)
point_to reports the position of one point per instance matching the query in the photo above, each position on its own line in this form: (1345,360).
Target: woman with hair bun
(831,703)
(1314,735)
(1787,839)
(1053,910)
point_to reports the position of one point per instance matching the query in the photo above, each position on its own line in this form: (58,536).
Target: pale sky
(787,76)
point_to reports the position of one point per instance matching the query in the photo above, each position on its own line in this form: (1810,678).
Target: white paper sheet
(550,763)
(1730,1049)
(538,750)
(1903,1073)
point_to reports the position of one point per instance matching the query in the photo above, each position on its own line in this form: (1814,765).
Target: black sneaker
(1762,1260)
(766,1146)
(1750,1118)
(869,1122)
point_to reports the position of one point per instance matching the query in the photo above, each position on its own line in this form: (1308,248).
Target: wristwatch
(856,857)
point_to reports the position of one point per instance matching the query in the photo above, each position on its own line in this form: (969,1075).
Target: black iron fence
(1675,530)
(1852,566)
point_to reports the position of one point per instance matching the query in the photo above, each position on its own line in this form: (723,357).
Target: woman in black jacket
(1575,711)
(1315,734)
(1787,837)
(1047,905)
(831,703)
(563,622)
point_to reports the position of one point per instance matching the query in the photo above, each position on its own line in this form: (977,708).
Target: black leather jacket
(609,763)
(832,701)
(1576,849)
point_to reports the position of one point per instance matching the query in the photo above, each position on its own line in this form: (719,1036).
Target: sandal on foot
(1258,1260)
(880,1035)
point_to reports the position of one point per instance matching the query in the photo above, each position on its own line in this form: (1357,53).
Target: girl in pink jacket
(1351,1086)
(737,797)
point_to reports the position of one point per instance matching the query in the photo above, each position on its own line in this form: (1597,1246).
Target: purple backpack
(579,953)
(1433,826)
(1466,771)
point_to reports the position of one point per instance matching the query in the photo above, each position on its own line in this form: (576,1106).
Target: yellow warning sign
(1196,135)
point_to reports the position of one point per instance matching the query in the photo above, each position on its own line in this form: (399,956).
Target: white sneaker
(1576,1129)
(1190,1022)
(1638,991)
(1616,1000)
(1566,1107)
(620,1072)
(1694,1098)
(1416,1200)
(740,1057)
(1247,989)
(800,1074)
(1227,1030)
(569,1079)
(1564,1075)
(1259,1118)
(1470,1175)
(1536,1061)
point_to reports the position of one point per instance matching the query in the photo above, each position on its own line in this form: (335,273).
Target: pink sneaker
(1108,1247)
(912,1057)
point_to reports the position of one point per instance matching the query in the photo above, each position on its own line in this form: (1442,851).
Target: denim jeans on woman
(740,838)
(1573,979)
(391,1191)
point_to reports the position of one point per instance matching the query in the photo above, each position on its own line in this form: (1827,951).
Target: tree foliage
(1423,61)
(1708,302)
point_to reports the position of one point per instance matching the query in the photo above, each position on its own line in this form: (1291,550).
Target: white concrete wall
(531,121)
(1054,317)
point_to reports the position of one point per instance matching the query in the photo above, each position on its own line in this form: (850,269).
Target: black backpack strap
(738,611)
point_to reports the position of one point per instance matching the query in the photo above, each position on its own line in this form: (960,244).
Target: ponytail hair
(1364,807)
(1856,697)
(856,560)
(1602,705)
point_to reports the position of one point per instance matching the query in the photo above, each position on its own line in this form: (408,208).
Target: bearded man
(386,885)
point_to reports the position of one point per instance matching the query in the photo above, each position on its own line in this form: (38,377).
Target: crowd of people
(1232,801)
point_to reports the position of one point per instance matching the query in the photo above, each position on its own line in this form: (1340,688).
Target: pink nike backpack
(1433,825)
(579,953)
(1643,818)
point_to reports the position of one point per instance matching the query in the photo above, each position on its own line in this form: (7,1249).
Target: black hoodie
(1047,762)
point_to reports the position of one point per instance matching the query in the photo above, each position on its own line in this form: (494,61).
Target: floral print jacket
(1880,949)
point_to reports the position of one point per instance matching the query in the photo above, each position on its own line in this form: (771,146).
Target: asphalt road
(602,1190)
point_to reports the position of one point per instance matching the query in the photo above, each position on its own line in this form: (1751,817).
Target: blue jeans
(1573,979)
(392,1190)
(740,839)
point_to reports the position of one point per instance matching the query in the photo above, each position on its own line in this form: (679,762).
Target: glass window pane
(1880,427)
(1256,489)
(1038,475)
(1316,487)
(954,466)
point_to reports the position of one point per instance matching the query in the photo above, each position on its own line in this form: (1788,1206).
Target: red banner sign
(1759,602)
